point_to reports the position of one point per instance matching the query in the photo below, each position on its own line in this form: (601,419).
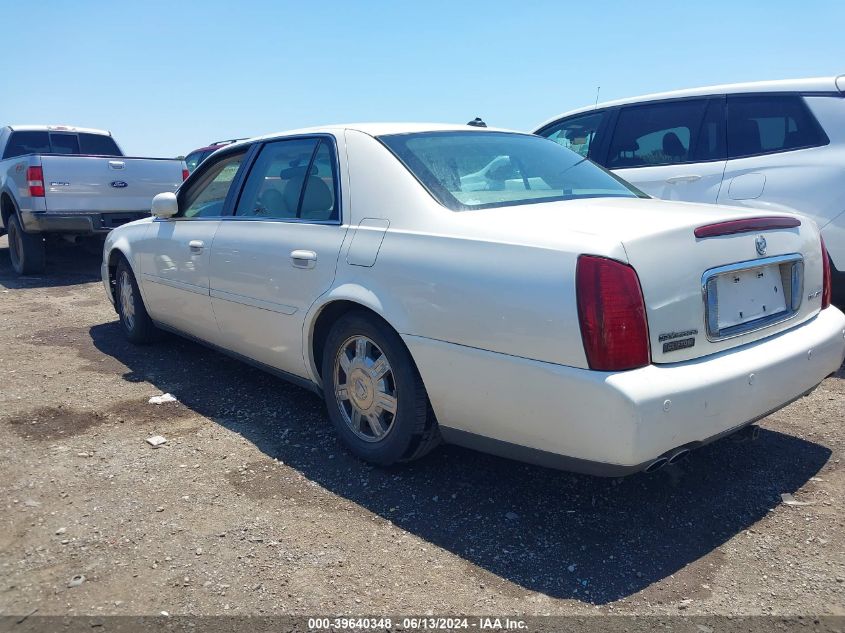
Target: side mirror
(165,205)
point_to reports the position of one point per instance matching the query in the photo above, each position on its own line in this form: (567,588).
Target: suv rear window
(764,124)
(30,142)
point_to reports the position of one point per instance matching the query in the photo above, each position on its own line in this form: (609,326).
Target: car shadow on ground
(565,535)
(67,265)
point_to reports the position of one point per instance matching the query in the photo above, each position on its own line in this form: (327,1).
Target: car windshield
(467,170)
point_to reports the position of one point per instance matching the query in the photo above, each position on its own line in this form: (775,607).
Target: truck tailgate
(84,184)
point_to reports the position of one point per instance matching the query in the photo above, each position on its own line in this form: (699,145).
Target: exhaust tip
(679,456)
(656,465)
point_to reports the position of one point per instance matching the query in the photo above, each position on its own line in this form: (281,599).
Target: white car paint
(485,302)
(807,181)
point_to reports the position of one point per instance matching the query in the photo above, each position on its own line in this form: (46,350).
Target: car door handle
(196,246)
(677,179)
(303,259)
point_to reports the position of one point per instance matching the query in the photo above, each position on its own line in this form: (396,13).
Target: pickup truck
(71,181)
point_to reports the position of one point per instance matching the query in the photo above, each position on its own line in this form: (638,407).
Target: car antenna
(598,90)
(477,122)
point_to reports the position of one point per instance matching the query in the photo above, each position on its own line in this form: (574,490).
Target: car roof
(813,84)
(57,128)
(374,129)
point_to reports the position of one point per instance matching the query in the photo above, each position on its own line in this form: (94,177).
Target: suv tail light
(611,311)
(185,174)
(35,181)
(827,289)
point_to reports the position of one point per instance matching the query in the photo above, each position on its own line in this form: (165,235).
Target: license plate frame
(744,291)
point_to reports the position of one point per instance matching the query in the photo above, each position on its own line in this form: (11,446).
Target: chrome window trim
(710,300)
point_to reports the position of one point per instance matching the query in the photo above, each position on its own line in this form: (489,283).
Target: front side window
(207,197)
(577,133)
(656,134)
(478,170)
(763,124)
(291,179)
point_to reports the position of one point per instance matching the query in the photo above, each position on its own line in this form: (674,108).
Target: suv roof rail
(229,141)
(840,83)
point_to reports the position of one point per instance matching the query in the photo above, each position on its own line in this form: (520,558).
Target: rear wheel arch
(322,324)
(7,208)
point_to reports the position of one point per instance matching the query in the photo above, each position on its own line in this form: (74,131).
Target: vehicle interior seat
(673,148)
(273,203)
(318,201)
(630,147)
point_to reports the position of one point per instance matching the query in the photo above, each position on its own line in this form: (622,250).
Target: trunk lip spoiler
(746,225)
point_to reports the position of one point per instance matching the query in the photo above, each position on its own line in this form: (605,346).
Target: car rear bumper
(616,423)
(78,223)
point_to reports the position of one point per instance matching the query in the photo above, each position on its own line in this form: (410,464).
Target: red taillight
(185,174)
(827,289)
(611,310)
(746,225)
(35,181)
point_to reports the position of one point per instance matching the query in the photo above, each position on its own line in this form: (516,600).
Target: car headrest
(672,145)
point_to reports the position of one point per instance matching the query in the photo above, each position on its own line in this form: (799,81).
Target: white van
(773,145)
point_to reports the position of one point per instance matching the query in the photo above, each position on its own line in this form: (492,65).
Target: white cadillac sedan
(484,287)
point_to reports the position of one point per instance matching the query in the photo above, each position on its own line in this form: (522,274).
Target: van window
(656,133)
(763,124)
(576,133)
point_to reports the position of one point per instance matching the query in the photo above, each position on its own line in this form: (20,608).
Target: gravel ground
(252,507)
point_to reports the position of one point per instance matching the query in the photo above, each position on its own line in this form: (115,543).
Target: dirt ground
(252,506)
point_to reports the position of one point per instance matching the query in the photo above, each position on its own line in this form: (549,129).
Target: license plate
(749,295)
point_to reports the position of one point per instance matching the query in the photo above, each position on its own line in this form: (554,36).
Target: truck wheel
(26,250)
(374,394)
(137,324)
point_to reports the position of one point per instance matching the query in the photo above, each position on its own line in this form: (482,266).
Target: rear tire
(374,394)
(134,320)
(26,250)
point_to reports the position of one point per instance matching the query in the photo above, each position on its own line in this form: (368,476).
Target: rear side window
(21,143)
(577,133)
(764,124)
(98,145)
(662,133)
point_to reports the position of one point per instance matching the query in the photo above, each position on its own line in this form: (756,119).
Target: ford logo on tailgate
(119,184)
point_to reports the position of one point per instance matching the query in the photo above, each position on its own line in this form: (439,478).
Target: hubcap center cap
(362,389)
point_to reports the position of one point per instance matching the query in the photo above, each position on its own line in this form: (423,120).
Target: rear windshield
(481,170)
(21,143)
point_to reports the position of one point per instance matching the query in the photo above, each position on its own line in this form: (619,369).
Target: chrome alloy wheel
(127,302)
(365,388)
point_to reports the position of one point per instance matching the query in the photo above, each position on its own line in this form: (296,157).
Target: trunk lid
(101,184)
(657,239)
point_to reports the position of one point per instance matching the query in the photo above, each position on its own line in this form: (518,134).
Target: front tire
(374,394)
(134,320)
(26,250)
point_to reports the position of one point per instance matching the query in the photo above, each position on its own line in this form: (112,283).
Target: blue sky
(167,77)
